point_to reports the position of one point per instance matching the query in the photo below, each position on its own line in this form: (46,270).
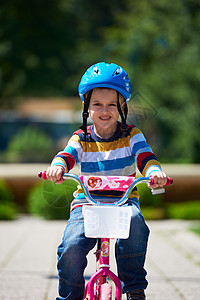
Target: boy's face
(103,111)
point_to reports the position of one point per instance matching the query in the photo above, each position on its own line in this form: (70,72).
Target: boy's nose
(104,109)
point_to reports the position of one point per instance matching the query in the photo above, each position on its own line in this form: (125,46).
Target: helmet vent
(117,71)
(96,70)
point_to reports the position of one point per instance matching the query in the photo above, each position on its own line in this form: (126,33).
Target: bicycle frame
(103,272)
(103,254)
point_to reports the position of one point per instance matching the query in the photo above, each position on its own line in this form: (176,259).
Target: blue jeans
(130,255)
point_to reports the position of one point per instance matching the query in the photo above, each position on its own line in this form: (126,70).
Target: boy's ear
(122,106)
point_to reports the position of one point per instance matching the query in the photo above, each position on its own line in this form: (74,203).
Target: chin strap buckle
(85,115)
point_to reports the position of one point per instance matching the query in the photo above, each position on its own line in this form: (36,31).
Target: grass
(196,229)
(8,211)
(182,211)
(185,211)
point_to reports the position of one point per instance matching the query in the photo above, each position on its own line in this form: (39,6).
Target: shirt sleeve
(70,156)
(146,160)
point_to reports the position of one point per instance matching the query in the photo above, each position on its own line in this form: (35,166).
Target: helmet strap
(123,115)
(85,113)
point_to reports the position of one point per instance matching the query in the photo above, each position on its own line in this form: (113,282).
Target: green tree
(46,45)
(158,43)
(29,145)
(37,40)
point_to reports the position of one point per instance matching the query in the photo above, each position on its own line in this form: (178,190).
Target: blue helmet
(105,75)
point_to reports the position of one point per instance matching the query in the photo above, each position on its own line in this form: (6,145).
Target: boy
(108,147)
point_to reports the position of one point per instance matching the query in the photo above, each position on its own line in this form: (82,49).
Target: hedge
(8,209)
(50,200)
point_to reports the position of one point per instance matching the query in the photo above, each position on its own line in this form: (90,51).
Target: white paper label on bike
(107,221)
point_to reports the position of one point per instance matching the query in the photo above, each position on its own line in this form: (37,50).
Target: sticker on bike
(105,246)
(120,183)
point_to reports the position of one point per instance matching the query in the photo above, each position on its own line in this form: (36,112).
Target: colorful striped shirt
(117,155)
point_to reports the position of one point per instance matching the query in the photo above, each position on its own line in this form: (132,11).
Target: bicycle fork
(100,277)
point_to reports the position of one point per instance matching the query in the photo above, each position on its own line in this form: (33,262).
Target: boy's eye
(100,104)
(113,104)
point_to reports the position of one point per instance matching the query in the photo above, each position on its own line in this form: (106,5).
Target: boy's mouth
(104,118)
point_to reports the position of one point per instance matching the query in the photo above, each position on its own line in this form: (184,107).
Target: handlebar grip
(169,181)
(42,175)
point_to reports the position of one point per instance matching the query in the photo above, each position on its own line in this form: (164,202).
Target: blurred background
(46,46)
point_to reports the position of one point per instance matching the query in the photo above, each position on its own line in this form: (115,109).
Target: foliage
(6,195)
(29,145)
(52,201)
(196,229)
(159,47)
(151,205)
(8,209)
(46,46)
(153,213)
(156,41)
(154,208)
(182,211)
(186,211)
(146,197)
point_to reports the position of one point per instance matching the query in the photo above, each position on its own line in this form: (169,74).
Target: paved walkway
(28,260)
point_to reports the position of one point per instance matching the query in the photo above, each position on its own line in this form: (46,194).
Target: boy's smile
(104,112)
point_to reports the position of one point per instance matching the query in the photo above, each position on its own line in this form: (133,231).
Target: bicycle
(98,222)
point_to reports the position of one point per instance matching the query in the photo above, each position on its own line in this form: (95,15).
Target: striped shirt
(117,155)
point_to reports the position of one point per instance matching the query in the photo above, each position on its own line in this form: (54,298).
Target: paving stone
(28,260)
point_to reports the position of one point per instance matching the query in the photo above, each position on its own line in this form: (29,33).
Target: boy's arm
(147,161)
(55,174)
(153,169)
(159,179)
(65,160)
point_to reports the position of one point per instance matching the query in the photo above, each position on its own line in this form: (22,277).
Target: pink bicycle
(105,221)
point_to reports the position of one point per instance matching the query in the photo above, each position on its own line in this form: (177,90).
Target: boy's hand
(159,179)
(55,174)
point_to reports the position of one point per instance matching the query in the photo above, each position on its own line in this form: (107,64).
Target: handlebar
(125,196)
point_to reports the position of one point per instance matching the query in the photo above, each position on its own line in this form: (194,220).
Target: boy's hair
(85,113)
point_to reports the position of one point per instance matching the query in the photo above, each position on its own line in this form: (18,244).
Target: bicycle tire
(105,292)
